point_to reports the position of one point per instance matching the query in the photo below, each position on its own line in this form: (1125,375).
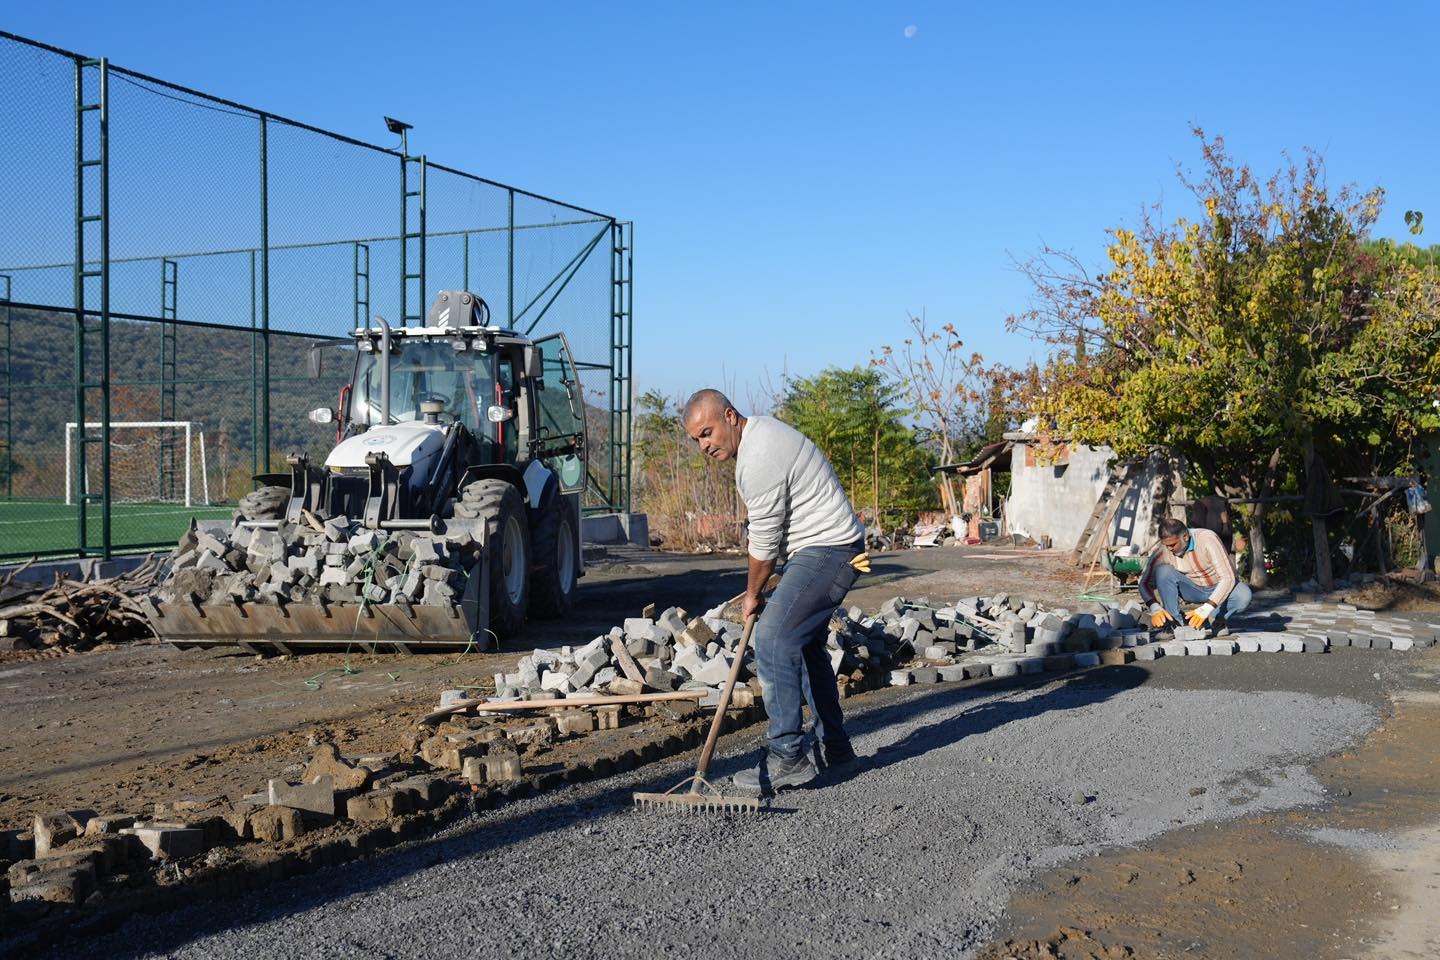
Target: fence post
(265,290)
(105,308)
(5,343)
(254,373)
(510,264)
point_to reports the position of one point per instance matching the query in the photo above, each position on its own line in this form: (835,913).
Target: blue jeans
(1171,586)
(790,648)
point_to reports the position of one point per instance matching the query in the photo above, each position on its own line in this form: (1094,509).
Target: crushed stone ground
(966,796)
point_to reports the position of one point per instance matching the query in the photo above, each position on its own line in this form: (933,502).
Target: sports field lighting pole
(402,128)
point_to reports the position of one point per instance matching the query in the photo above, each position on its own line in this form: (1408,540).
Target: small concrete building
(1055,486)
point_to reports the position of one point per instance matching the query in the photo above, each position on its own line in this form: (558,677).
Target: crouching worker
(797,509)
(1194,566)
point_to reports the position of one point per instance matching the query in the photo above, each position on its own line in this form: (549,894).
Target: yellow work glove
(1200,615)
(861,563)
(1159,616)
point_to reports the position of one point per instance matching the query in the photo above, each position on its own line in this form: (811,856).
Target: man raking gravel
(797,510)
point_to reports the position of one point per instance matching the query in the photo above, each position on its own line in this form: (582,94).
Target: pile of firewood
(75,614)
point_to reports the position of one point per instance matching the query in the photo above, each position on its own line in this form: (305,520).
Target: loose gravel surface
(966,794)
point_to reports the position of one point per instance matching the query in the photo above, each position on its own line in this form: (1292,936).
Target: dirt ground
(115,730)
(1357,878)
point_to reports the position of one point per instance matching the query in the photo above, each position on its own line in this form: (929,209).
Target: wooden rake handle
(703,767)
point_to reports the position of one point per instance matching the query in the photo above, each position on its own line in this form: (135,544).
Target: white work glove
(1200,615)
(1159,616)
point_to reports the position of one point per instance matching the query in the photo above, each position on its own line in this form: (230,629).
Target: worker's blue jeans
(1171,586)
(790,648)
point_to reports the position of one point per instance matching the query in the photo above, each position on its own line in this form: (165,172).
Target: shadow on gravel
(510,826)
(1078,690)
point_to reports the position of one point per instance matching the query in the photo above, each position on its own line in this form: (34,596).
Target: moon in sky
(910,32)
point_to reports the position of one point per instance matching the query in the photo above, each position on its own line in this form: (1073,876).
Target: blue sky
(803,174)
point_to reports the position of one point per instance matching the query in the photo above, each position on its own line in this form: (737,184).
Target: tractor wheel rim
(513,561)
(565,557)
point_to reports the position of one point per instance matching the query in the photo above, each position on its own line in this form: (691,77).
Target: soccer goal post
(151,461)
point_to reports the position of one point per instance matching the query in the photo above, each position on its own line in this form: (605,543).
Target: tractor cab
(431,407)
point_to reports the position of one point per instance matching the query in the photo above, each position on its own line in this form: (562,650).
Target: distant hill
(215,371)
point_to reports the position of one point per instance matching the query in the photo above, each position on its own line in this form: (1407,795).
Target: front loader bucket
(375,627)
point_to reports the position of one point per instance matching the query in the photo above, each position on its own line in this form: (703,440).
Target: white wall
(1057,500)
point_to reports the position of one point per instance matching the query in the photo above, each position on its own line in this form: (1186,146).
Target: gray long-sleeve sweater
(791,493)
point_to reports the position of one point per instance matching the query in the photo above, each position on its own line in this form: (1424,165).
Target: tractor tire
(266,503)
(557,565)
(507,539)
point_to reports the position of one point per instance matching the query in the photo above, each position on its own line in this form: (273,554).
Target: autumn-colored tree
(1253,340)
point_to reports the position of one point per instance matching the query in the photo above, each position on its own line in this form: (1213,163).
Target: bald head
(712,421)
(708,399)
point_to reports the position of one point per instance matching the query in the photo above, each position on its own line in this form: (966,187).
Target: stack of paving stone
(674,651)
(917,641)
(337,562)
(650,653)
(1004,636)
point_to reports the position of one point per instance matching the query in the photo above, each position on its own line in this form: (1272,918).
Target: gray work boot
(775,773)
(832,760)
(841,763)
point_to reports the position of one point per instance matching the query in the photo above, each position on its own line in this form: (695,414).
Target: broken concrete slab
(169,841)
(276,823)
(58,827)
(317,797)
(570,723)
(344,775)
(108,825)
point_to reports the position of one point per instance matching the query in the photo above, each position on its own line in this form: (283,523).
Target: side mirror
(315,365)
(321,415)
(499,414)
(534,363)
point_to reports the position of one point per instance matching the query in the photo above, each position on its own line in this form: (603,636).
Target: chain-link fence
(168,259)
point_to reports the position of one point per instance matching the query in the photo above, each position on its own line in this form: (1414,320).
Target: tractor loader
(445,515)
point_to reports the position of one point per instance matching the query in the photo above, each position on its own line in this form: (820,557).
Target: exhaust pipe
(384,371)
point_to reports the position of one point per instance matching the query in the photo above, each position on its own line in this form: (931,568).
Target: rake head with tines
(696,794)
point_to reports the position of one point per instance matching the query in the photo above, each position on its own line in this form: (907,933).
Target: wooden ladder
(1100,516)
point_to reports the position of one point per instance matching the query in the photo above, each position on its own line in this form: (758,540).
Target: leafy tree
(958,403)
(854,416)
(1263,335)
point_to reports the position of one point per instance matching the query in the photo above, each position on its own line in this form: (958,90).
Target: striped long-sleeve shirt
(1205,561)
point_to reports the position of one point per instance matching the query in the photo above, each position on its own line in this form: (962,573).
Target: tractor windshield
(463,380)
